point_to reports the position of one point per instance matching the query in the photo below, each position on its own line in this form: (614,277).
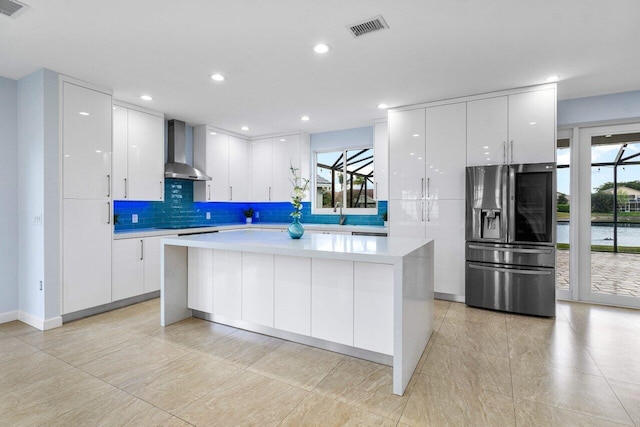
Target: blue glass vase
(296,230)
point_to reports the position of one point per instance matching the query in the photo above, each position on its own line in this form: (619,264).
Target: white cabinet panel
(446,144)
(257,288)
(407,218)
(261,170)
(152,271)
(286,153)
(381,160)
(227,284)
(238,169)
(127,268)
(145,167)
(407,164)
(120,150)
(487,131)
(293,294)
(86,135)
(200,280)
(86,237)
(373,307)
(446,226)
(532,127)
(332,300)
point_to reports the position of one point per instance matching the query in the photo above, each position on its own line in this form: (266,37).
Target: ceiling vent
(12,8)
(370,25)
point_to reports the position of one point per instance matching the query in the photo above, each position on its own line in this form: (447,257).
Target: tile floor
(480,368)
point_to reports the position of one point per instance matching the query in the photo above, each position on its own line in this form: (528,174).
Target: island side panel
(173,286)
(413,316)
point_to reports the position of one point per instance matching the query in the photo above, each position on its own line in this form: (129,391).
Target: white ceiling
(434,49)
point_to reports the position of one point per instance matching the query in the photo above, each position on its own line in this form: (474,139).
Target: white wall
(616,107)
(8,196)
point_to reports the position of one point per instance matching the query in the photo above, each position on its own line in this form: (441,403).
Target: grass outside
(623,217)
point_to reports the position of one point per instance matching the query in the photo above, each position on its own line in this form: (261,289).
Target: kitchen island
(365,296)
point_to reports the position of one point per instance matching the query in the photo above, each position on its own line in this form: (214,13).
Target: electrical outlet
(37,219)
(208,215)
(134,218)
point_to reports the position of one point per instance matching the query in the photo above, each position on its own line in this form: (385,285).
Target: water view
(602,234)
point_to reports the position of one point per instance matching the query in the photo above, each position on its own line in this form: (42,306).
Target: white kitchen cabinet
(487,131)
(127,274)
(292,276)
(152,248)
(200,279)
(271,160)
(261,170)
(86,143)
(512,129)
(239,190)
(446,226)
(446,142)
(257,288)
(407,164)
(225,159)
(332,300)
(381,160)
(407,218)
(227,284)
(86,259)
(138,154)
(373,307)
(532,127)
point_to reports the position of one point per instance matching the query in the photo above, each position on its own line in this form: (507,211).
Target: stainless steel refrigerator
(510,238)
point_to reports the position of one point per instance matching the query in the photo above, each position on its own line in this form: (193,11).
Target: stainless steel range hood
(177,166)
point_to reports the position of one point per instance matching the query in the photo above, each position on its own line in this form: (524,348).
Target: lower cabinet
(292,276)
(332,300)
(257,288)
(200,279)
(373,307)
(227,284)
(135,267)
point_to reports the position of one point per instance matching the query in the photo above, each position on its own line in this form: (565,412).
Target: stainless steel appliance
(510,234)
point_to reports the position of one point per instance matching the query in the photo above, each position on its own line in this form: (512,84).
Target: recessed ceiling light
(98,151)
(304,118)
(114,108)
(532,123)
(217,77)
(486,152)
(486,147)
(608,136)
(83,113)
(245,128)
(383,106)
(552,79)
(321,48)
(213,133)
(411,154)
(282,139)
(147,97)
(415,135)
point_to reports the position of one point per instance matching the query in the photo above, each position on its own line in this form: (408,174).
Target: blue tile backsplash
(180,211)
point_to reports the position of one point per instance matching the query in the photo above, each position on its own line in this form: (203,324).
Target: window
(345,177)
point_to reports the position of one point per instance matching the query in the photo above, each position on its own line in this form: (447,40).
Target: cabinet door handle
(422,210)
(428,187)
(108,212)
(511,151)
(125,188)
(428,212)
(208,192)
(504,152)
(230,192)
(141,249)
(422,188)
(108,185)
(269,193)
(161,190)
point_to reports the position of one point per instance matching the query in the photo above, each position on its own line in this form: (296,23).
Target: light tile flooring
(611,273)
(480,368)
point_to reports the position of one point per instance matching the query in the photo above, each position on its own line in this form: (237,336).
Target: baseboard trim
(9,316)
(448,297)
(69,317)
(38,322)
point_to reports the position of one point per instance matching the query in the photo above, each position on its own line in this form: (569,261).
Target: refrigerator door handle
(511,270)
(517,250)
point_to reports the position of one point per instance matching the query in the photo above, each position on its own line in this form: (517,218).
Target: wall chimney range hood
(177,166)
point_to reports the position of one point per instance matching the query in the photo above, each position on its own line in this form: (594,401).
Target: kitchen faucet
(342,217)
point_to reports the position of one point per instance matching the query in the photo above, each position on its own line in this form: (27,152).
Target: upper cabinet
(138,154)
(515,128)
(271,162)
(224,158)
(86,136)
(381,160)
(407,162)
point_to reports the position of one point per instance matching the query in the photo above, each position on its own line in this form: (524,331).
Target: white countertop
(374,249)
(150,232)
